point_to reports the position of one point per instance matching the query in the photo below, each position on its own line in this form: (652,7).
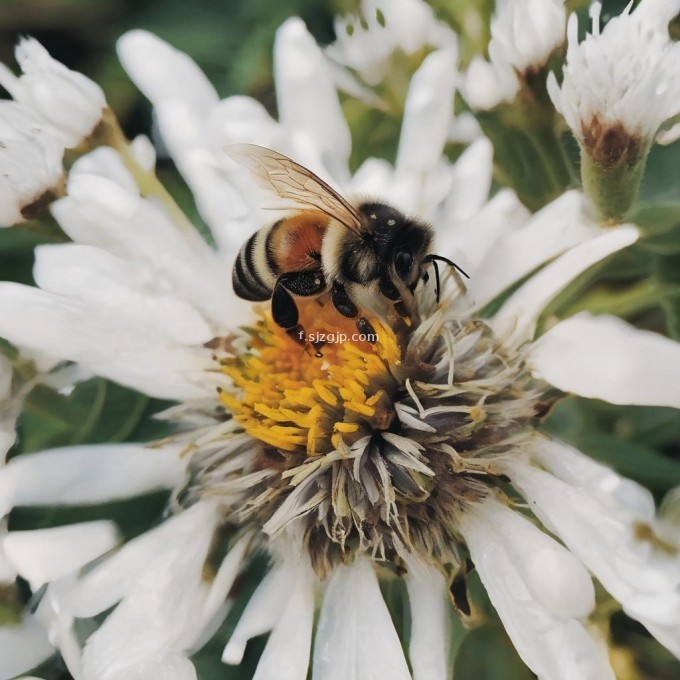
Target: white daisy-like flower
(392,460)
(620,83)
(524,35)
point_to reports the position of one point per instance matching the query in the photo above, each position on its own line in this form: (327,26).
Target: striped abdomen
(252,276)
(290,245)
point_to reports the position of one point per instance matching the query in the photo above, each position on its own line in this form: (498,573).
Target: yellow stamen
(287,397)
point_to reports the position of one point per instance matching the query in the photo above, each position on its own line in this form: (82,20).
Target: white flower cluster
(54,109)
(523,37)
(138,295)
(624,75)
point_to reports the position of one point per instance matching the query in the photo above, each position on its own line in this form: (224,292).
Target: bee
(354,252)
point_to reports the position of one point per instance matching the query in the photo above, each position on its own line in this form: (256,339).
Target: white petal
(286,656)
(219,589)
(88,474)
(157,617)
(577,469)
(100,211)
(262,611)
(516,320)
(430,623)
(70,102)
(114,346)
(558,226)
(307,100)
(602,535)
(355,638)
(44,555)
(170,667)
(22,647)
(117,576)
(554,647)
(472,175)
(163,73)
(555,578)
(469,241)
(428,112)
(605,358)
(94,275)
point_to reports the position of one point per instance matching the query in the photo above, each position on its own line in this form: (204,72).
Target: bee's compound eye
(403,261)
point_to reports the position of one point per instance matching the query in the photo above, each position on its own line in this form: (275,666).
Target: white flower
(620,83)
(68,101)
(149,301)
(366,42)
(523,37)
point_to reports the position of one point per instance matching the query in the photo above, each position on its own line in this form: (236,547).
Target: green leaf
(486,653)
(96,411)
(133,516)
(634,440)
(660,223)
(641,463)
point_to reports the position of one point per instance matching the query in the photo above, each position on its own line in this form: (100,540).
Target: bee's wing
(290,180)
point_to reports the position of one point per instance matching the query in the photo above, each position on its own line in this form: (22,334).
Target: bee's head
(399,242)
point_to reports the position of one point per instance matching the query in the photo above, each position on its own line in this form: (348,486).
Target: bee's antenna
(441,258)
(434,259)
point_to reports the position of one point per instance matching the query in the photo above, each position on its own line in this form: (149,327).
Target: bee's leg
(345,305)
(285,314)
(284,309)
(391,292)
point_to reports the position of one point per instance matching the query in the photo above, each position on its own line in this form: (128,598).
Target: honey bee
(355,252)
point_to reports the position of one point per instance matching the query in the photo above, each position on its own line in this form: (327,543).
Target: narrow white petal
(88,474)
(469,241)
(430,622)
(262,611)
(58,622)
(162,73)
(307,100)
(156,619)
(516,321)
(577,469)
(96,276)
(355,638)
(428,112)
(114,346)
(558,226)
(22,647)
(555,578)
(222,583)
(471,181)
(605,358)
(644,578)
(117,576)
(554,647)
(286,656)
(44,555)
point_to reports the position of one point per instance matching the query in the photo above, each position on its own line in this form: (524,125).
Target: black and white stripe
(252,276)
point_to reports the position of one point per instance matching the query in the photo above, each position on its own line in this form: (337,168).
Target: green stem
(614,188)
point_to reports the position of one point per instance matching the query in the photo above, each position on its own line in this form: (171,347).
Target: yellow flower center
(300,398)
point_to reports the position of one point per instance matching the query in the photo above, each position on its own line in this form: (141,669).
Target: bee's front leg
(345,305)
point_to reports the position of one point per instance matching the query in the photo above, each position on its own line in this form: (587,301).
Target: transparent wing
(291,181)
